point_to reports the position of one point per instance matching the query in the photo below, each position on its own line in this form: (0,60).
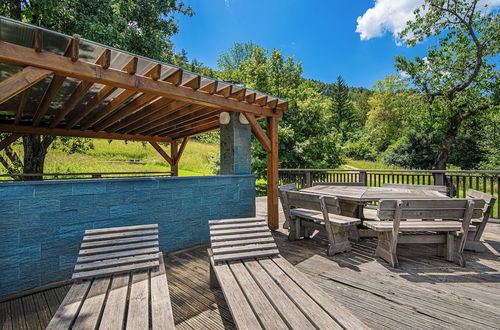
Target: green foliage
(72,145)
(458,76)
(416,150)
(142,27)
(360,147)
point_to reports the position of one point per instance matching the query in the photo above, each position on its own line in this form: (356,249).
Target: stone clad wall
(42,223)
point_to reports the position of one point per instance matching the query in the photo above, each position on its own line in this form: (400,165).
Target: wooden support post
(162,152)
(174,152)
(272,174)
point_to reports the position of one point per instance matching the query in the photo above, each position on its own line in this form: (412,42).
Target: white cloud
(226,2)
(392,15)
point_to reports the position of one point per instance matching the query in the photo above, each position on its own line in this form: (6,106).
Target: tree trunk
(445,146)
(35,150)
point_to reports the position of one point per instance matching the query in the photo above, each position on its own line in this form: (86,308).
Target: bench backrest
(338,184)
(489,201)
(442,189)
(296,199)
(453,209)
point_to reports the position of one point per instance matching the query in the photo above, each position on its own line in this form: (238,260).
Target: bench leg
(294,229)
(386,248)
(213,282)
(354,233)
(338,240)
(441,250)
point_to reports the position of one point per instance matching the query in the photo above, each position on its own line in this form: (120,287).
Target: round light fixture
(224,118)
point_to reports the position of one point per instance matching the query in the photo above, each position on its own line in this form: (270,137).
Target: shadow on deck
(425,292)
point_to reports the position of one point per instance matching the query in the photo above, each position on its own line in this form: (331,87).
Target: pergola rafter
(111,94)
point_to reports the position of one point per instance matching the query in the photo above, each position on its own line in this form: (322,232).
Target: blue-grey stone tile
(84,188)
(39,205)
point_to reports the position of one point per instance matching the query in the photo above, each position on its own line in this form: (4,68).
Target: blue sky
(320,34)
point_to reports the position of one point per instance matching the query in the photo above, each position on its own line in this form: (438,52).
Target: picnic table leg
(294,229)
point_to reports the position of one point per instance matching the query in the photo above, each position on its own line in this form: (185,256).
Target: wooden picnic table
(352,199)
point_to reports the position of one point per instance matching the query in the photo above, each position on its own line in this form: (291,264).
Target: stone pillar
(235,146)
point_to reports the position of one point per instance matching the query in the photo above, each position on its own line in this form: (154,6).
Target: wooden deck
(425,292)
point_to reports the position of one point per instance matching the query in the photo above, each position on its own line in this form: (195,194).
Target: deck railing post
(309,181)
(363,178)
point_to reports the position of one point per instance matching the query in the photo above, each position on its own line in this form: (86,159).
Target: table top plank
(373,194)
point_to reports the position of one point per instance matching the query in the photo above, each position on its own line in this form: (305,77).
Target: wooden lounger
(263,290)
(120,283)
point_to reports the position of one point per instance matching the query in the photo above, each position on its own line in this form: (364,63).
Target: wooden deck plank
(120,229)
(30,313)
(65,316)
(6,322)
(161,307)
(90,313)
(138,307)
(18,317)
(42,309)
(113,316)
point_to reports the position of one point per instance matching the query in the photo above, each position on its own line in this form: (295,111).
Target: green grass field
(113,157)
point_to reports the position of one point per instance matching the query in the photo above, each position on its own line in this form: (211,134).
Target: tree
(342,109)
(142,27)
(458,77)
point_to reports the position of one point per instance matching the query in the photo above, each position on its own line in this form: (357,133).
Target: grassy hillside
(113,157)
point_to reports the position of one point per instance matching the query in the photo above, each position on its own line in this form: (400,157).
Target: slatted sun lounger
(119,283)
(262,289)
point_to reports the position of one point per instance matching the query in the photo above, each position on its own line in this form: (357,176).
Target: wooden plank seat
(263,290)
(308,212)
(450,234)
(119,283)
(479,224)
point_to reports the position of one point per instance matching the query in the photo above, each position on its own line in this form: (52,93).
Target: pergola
(54,84)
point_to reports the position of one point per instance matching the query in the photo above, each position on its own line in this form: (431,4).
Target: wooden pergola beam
(130,108)
(162,152)
(19,55)
(49,95)
(83,87)
(77,133)
(181,150)
(159,109)
(198,130)
(20,81)
(148,110)
(186,130)
(22,104)
(258,132)
(210,88)
(169,118)
(8,140)
(103,93)
(151,121)
(183,120)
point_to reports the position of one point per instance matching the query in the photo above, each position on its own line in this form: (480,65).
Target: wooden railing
(458,182)
(72,176)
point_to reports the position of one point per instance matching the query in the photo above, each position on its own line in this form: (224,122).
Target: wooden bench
(478,224)
(120,283)
(308,212)
(263,290)
(450,234)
